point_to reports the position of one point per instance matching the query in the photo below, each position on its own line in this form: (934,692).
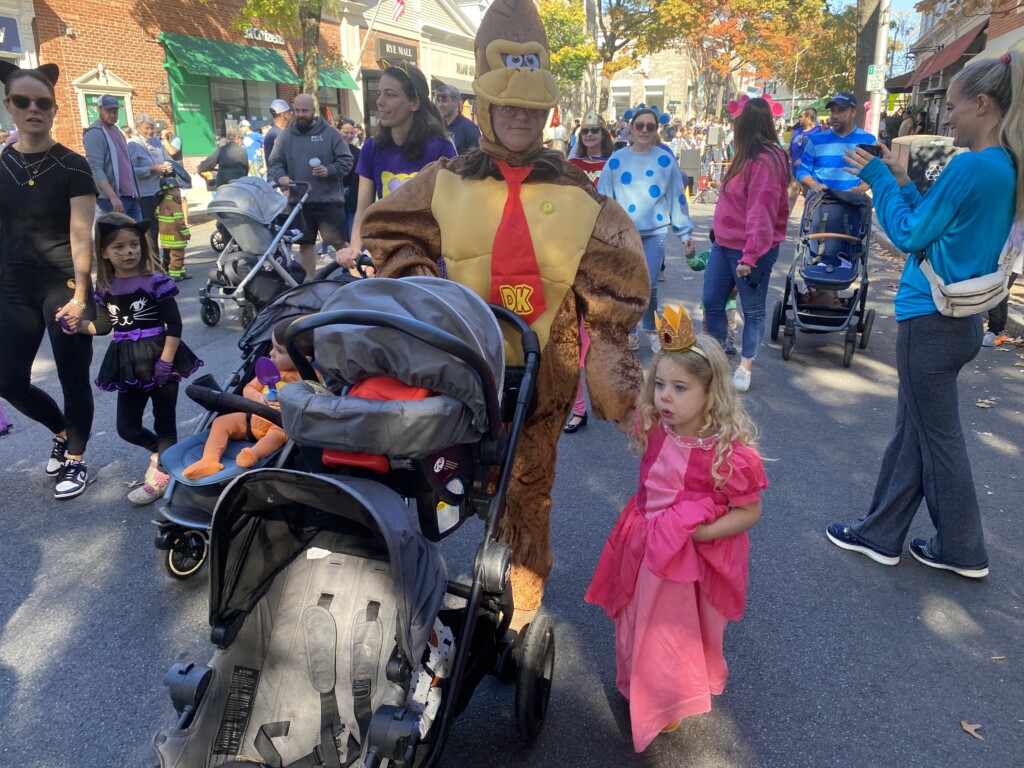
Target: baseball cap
(106,101)
(279,107)
(843,101)
(243,124)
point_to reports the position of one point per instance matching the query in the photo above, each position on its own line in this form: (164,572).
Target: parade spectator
(347,128)
(312,151)
(107,152)
(802,132)
(465,135)
(461,215)
(995,333)
(673,572)
(126,131)
(171,144)
(252,142)
(410,136)
(961,225)
(822,163)
(230,161)
(150,164)
(749,224)
(907,125)
(647,182)
(921,124)
(281,113)
(47,205)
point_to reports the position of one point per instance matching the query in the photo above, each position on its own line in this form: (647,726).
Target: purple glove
(163,373)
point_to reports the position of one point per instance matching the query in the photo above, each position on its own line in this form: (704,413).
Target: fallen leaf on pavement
(972,728)
(998,658)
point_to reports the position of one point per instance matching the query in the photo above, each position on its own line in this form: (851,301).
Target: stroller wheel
(865,332)
(209,312)
(788,340)
(218,241)
(246,314)
(186,556)
(776,320)
(849,346)
(536,669)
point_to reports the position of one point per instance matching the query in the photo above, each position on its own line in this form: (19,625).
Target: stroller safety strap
(367,640)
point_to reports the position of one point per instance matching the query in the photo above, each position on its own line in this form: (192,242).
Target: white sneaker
(989,339)
(150,490)
(652,339)
(741,379)
(633,342)
(57,456)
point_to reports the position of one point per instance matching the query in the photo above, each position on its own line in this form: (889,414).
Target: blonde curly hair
(724,415)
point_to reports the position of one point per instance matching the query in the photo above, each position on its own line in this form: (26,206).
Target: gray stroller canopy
(266,518)
(305,299)
(251,197)
(351,353)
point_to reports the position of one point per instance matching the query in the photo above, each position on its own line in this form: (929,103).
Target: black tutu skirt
(129,364)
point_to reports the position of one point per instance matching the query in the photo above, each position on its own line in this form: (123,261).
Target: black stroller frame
(484,643)
(225,285)
(850,315)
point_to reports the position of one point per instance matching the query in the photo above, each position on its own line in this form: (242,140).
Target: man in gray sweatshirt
(311,151)
(107,153)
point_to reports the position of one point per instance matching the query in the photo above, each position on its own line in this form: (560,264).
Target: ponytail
(1002,79)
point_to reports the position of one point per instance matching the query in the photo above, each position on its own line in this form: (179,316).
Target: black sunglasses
(590,130)
(21,102)
(645,126)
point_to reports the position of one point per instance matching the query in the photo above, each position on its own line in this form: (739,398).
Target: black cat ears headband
(107,228)
(50,71)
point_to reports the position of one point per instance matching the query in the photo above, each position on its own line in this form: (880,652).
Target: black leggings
(29,300)
(131,406)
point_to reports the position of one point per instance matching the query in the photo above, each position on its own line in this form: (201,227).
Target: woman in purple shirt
(410,135)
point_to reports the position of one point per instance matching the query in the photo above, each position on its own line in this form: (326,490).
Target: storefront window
(6,121)
(371,85)
(228,98)
(259,96)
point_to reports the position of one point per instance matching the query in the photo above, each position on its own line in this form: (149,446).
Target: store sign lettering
(462,68)
(255,33)
(392,50)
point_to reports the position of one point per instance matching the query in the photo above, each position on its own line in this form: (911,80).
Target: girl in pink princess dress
(674,569)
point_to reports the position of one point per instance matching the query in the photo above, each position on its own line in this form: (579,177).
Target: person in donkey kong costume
(522,227)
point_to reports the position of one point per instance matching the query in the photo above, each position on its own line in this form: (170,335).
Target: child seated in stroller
(239,426)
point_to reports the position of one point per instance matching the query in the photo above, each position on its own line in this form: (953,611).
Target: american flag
(399,10)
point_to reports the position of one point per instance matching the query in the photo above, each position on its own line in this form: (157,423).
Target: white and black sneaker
(57,458)
(71,480)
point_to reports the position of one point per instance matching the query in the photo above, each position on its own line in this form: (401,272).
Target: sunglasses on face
(513,111)
(44,103)
(585,131)
(645,127)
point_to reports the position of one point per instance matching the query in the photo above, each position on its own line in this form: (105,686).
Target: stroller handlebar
(226,402)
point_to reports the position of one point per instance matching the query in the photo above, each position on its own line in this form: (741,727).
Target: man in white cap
(107,153)
(281,114)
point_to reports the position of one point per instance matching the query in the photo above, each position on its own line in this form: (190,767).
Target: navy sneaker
(56,460)
(71,480)
(843,537)
(923,554)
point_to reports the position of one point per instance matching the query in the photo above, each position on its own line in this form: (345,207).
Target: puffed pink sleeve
(748,477)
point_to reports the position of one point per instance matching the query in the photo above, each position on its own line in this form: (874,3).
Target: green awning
(336,76)
(238,62)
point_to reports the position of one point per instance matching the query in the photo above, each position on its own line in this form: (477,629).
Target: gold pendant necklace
(32,169)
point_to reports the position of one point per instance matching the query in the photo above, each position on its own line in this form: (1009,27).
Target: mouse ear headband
(50,71)
(736,106)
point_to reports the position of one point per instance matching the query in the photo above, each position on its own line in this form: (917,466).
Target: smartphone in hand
(871,149)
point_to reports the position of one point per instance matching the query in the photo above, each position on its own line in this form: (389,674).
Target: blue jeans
(132,206)
(654,252)
(927,457)
(719,280)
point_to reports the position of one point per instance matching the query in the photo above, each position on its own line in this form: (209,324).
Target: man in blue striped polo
(822,164)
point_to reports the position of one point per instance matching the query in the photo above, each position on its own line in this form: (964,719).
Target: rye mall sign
(391,52)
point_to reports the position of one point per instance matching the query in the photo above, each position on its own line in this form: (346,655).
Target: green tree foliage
(828,64)
(572,46)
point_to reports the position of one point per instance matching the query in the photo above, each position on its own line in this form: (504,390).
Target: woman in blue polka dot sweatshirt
(645,179)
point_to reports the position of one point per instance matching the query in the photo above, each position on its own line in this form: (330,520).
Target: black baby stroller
(831,256)
(256,264)
(327,589)
(184,523)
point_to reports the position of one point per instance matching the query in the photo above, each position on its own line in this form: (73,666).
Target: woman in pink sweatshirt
(750,222)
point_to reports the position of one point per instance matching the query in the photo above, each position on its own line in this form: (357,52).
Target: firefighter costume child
(174,235)
(522,227)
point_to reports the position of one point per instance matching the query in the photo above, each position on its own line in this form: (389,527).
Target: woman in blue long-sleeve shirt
(961,224)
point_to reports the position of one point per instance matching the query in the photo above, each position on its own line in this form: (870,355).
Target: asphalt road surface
(838,661)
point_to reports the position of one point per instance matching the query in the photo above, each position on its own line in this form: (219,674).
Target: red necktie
(515,277)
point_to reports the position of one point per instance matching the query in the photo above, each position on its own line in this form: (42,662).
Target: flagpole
(369,29)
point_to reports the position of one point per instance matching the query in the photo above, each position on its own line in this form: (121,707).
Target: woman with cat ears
(47,203)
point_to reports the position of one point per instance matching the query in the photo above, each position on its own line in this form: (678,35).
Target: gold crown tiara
(675,330)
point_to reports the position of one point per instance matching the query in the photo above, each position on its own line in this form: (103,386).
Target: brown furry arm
(400,232)
(612,292)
